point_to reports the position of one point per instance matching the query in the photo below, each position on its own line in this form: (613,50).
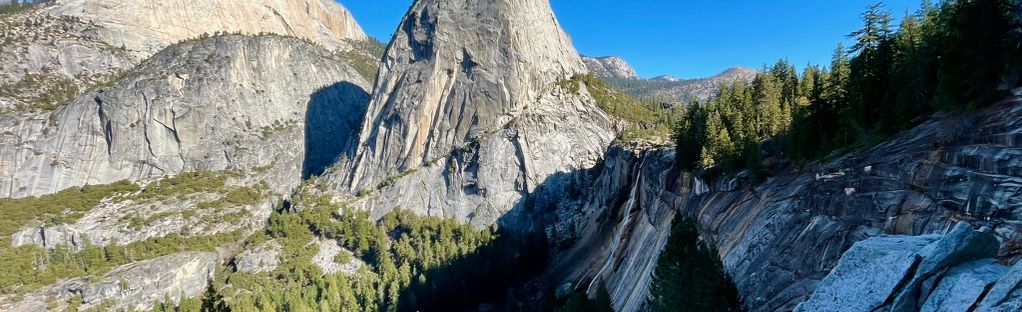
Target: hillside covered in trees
(951,56)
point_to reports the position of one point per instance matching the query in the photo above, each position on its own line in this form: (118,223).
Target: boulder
(963,285)
(1006,294)
(868,274)
(264,258)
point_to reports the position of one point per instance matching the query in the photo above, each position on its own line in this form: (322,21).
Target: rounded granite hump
(224,103)
(454,71)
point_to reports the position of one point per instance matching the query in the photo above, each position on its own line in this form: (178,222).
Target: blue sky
(685,38)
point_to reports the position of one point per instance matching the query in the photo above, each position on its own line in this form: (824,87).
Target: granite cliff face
(467,117)
(146,27)
(61,50)
(227,103)
(780,238)
(137,286)
(610,67)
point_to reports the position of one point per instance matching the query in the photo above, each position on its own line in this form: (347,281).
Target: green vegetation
(425,263)
(950,57)
(63,207)
(365,57)
(277,127)
(29,267)
(690,277)
(648,118)
(14,7)
(185,184)
(46,92)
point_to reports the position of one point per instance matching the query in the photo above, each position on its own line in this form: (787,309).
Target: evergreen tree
(976,50)
(689,137)
(690,277)
(768,93)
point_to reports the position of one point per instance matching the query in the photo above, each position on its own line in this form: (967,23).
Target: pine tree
(770,117)
(690,277)
(977,46)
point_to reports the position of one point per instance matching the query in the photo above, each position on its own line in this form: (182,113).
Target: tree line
(412,263)
(951,56)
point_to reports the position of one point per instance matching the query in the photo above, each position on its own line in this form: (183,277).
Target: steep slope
(610,67)
(62,49)
(780,238)
(216,131)
(149,26)
(467,118)
(228,103)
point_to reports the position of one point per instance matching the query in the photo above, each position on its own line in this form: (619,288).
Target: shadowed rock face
(466,117)
(780,238)
(226,103)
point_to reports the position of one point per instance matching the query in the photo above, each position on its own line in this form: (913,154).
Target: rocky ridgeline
(467,118)
(610,67)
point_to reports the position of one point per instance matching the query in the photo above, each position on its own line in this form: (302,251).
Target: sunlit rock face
(467,118)
(70,46)
(226,103)
(137,286)
(610,67)
(147,27)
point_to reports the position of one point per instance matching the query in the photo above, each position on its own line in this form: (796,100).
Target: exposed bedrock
(781,237)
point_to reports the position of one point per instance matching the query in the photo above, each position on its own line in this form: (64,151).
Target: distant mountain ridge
(610,67)
(668,89)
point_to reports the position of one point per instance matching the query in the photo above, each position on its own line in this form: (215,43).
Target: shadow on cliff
(332,124)
(512,272)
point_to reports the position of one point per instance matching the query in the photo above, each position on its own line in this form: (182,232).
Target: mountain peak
(612,66)
(451,75)
(468,115)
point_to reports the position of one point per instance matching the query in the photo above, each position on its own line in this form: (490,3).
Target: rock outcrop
(610,67)
(55,53)
(467,117)
(49,61)
(953,272)
(780,238)
(261,259)
(609,227)
(237,103)
(329,253)
(136,286)
(147,27)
